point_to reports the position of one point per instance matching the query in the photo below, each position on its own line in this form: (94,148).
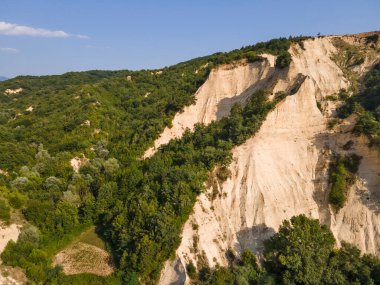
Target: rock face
(282,170)
(12,91)
(225,86)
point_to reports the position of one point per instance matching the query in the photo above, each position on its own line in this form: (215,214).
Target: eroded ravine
(281,171)
(225,86)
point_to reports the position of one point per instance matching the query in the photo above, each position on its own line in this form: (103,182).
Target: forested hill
(128,107)
(108,119)
(70,159)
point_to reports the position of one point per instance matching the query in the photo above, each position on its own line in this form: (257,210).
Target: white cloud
(8,49)
(82,37)
(9,29)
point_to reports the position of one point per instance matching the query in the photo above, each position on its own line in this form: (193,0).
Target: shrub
(20,183)
(342,176)
(16,200)
(283,60)
(29,233)
(191,270)
(372,38)
(302,45)
(253,57)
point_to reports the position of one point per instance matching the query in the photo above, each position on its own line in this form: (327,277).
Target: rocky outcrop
(282,170)
(226,85)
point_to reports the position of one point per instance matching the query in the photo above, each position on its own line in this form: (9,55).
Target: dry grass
(90,237)
(86,254)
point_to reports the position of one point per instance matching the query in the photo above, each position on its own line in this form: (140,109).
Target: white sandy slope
(226,85)
(281,172)
(8,233)
(359,221)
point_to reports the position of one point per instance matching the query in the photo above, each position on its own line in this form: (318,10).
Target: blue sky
(40,37)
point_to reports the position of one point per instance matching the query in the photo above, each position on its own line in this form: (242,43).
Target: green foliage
(111,166)
(79,279)
(119,109)
(4,211)
(366,105)
(283,60)
(369,125)
(27,256)
(114,105)
(342,176)
(252,53)
(253,57)
(242,272)
(29,234)
(299,252)
(347,57)
(161,191)
(302,252)
(347,266)
(111,118)
(191,270)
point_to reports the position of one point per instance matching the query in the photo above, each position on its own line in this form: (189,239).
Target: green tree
(66,215)
(111,166)
(283,60)
(346,266)
(52,183)
(29,233)
(299,252)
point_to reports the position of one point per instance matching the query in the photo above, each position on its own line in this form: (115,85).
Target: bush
(16,200)
(372,38)
(342,176)
(29,234)
(283,60)
(191,270)
(28,257)
(253,57)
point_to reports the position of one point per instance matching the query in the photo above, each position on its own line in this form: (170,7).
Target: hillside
(182,167)
(283,170)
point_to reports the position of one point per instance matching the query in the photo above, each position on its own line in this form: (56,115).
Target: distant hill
(2,78)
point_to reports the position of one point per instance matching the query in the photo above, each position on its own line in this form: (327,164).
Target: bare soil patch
(86,254)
